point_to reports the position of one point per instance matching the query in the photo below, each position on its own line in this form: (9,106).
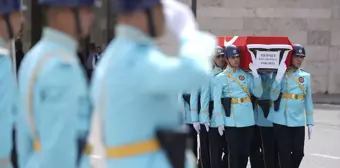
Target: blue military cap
(299,50)
(126,6)
(220,51)
(70,3)
(232,51)
(8,6)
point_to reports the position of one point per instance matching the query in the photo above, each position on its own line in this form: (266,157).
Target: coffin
(267,51)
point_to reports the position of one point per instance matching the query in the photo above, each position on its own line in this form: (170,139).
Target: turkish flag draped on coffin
(266,51)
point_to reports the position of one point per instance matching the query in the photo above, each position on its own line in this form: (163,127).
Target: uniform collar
(2,42)
(133,34)
(230,69)
(59,37)
(217,70)
(291,70)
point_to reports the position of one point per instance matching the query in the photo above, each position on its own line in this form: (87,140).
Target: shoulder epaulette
(65,57)
(304,70)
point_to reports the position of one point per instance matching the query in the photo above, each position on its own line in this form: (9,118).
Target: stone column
(26,39)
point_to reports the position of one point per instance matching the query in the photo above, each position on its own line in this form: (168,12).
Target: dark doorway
(36,22)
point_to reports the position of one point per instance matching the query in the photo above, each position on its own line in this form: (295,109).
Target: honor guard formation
(155,109)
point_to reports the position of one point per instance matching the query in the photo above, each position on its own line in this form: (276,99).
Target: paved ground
(322,151)
(326,99)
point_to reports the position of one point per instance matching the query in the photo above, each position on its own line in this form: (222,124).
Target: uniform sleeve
(163,73)
(218,110)
(205,99)
(309,102)
(7,87)
(23,140)
(84,117)
(58,127)
(275,89)
(194,105)
(256,85)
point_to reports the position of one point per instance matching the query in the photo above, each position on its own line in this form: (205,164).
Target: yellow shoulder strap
(238,83)
(297,82)
(30,94)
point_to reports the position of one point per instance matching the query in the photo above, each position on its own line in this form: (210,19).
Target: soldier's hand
(179,18)
(197,126)
(253,67)
(281,72)
(207,125)
(310,130)
(221,129)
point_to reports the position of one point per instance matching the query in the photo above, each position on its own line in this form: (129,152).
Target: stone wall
(313,23)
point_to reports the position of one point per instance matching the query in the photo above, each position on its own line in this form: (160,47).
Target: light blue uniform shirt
(242,114)
(292,112)
(136,88)
(60,102)
(206,97)
(7,102)
(267,81)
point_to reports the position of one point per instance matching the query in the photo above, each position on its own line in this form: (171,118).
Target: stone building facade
(313,23)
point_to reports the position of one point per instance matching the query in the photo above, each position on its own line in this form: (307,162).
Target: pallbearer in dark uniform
(263,152)
(292,110)
(212,140)
(233,89)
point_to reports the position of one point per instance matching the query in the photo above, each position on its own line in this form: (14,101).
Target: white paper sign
(268,59)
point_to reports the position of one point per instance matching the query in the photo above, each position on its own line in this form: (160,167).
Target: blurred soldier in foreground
(136,86)
(263,152)
(233,89)
(11,20)
(212,144)
(55,106)
(292,94)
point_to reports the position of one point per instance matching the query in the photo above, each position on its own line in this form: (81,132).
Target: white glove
(253,68)
(221,129)
(207,125)
(197,126)
(179,18)
(281,72)
(310,130)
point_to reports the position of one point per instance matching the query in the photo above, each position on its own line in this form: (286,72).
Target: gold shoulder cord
(298,83)
(238,83)
(231,108)
(30,97)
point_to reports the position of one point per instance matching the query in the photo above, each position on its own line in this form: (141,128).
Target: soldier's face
(219,61)
(234,61)
(297,60)
(86,17)
(17,20)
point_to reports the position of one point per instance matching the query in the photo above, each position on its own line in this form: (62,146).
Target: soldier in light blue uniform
(233,89)
(55,108)
(292,110)
(263,148)
(135,87)
(193,125)
(211,141)
(11,18)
